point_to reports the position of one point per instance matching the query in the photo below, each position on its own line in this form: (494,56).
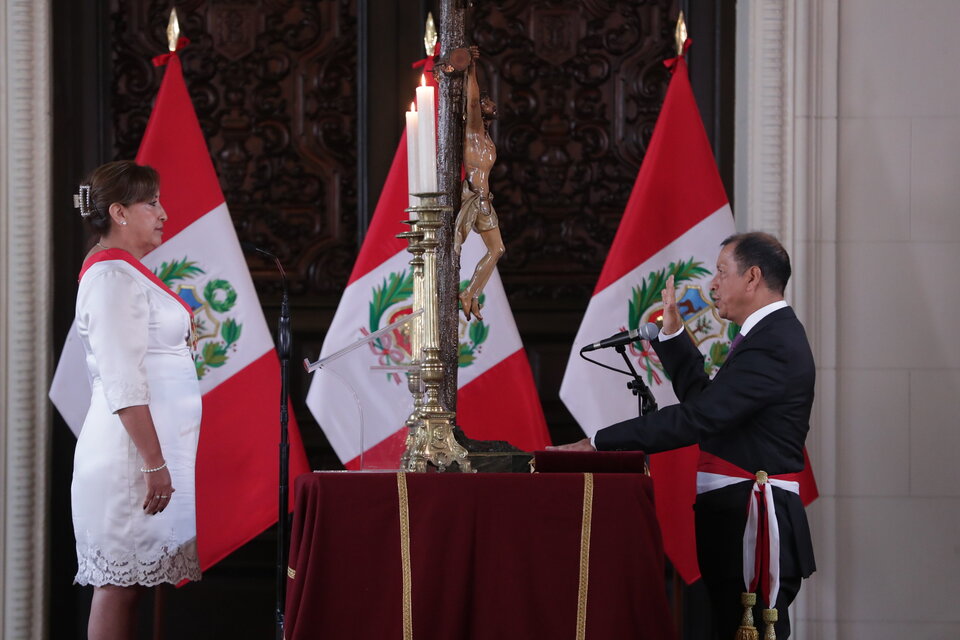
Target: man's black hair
(758,249)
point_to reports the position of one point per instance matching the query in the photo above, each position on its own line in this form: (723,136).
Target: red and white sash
(125,256)
(761,536)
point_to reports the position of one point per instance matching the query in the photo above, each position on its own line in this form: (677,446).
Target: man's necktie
(733,345)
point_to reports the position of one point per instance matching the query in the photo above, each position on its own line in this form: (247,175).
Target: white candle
(426,137)
(413,159)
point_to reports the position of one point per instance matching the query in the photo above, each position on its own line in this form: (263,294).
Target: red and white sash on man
(761,535)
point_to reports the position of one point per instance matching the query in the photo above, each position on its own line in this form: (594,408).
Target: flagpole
(159,594)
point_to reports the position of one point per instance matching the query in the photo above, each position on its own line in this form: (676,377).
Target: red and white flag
(362,408)
(674,221)
(201,260)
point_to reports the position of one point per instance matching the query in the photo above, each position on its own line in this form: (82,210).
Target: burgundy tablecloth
(493,556)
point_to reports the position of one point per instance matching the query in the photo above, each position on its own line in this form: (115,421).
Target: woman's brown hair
(123,181)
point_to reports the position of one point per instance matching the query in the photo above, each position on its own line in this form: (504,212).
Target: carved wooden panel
(579,84)
(274,86)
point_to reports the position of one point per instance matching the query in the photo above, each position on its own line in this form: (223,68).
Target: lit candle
(426,140)
(413,159)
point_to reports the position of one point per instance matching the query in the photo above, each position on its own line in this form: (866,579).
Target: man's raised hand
(671,316)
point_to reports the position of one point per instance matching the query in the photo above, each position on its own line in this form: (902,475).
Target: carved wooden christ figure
(476,209)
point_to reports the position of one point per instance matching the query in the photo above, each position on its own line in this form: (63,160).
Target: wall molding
(786,184)
(763,83)
(25,319)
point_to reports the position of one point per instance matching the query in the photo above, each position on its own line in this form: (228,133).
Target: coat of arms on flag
(210,301)
(390,301)
(703,323)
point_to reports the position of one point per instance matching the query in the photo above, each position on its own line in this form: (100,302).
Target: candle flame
(423,80)
(413,106)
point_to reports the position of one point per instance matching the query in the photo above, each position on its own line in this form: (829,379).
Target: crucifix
(434,240)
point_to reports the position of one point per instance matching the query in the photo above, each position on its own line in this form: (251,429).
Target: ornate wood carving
(578,85)
(274,86)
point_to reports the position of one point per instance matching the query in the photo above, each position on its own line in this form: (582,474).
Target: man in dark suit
(750,421)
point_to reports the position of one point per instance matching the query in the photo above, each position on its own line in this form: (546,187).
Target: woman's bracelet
(154,470)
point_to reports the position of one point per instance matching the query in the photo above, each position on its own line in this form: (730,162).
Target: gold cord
(405,556)
(584,555)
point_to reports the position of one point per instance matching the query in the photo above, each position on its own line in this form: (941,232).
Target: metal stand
(648,404)
(284,340)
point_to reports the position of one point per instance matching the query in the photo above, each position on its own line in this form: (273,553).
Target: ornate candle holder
(414,382)
(431,439)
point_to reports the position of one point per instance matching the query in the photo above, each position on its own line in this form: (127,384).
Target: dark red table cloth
(492,556)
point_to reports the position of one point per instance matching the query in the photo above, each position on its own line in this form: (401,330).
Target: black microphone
(648,331)
(283,333)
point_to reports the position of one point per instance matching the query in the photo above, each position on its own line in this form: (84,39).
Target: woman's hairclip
(82,201)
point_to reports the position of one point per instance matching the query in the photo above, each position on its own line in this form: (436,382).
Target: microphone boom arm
(313,366)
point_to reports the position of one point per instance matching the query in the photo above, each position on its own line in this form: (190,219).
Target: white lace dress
(134,332)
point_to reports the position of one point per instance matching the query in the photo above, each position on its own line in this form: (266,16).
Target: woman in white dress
(133,481)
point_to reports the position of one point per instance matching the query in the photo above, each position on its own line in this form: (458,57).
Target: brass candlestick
(414,382)
(431,439)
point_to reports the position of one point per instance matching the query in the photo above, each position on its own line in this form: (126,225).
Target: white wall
(859,101)
(898,363)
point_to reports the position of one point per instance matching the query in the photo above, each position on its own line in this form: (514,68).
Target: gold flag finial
(680,34)
(430,35)
(173,30)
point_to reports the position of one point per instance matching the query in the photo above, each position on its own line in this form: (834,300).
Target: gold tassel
(747,631)
(770,617)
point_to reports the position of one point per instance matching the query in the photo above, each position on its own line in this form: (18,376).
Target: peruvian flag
(361,400)
(237,460)
(673,224)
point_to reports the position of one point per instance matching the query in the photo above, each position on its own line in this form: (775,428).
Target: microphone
(283,332)
(648,331)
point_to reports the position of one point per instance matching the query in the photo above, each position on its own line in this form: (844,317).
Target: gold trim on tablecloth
(405,556)
(585,555)
(407,575)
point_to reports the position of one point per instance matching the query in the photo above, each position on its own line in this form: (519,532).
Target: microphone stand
(648,404)
(284,340)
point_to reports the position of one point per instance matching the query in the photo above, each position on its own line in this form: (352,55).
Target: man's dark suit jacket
(755,413)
